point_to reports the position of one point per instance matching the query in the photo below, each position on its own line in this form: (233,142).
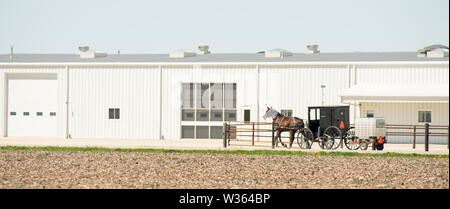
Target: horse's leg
(281,141)
(291,138)
(276,138)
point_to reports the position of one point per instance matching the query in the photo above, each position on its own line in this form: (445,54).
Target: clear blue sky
(135,26)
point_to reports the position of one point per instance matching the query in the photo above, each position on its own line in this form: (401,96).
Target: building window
(206,102)
(216,132)
(187,115)
(287,113)
(187,132)
(52,113)
(202,132)
(12,113)
(369,113)
(26,113)
(39,113)
(424,116)
(114,113)
(216,115)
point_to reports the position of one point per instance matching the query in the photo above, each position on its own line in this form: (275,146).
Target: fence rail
(415,130)
(240,133)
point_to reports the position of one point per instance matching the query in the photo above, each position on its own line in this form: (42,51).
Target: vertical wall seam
(67,103)
(160,102)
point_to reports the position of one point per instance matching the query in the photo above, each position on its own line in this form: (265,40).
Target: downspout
(160,103)
(349,76)
(5,104)
(355,103)
(257,93)
(67,103)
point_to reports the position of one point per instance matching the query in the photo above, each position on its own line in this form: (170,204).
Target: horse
(291,124)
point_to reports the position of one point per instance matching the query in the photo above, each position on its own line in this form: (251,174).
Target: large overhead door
(32,105)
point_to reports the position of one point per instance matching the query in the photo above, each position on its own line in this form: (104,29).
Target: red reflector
(380,140)
(342,125)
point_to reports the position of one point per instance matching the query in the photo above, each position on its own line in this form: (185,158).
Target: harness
(284,127)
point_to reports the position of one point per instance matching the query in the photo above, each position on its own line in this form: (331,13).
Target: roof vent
(278,53)
(312,49)
(12,52)
(86,53)
(181,54)
(433,51)
(204,49)
(83,48)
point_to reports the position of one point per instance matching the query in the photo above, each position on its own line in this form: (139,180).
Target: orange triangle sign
(342,125)
(380,140)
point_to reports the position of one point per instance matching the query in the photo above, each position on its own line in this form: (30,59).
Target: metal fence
(261,134)
(426,130)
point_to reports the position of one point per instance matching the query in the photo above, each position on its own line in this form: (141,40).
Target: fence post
(228,135)
(448,135)
(225,134)
(427,135)
(414,137)
(273,135)
(253,133)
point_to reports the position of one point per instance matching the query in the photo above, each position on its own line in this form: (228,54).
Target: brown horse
(291,124)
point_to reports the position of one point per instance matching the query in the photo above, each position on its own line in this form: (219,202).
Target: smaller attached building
(401,104)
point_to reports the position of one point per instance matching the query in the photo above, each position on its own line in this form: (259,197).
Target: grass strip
(246,152)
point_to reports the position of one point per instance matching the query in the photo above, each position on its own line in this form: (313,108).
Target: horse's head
(270,113)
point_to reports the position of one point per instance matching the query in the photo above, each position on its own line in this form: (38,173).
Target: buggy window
(314,114)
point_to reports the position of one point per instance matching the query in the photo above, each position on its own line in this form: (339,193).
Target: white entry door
(32,105)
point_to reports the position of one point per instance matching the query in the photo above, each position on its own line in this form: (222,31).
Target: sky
(227,26)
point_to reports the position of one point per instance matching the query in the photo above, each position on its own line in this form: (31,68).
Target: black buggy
(329,126)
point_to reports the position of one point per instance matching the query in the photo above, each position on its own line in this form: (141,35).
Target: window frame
(424,110)
(115,116)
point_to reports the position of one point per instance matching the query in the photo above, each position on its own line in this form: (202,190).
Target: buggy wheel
(363,145)
(304,138)
(351,141)
(332,137)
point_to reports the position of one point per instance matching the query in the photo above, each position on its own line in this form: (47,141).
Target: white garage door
(32,105)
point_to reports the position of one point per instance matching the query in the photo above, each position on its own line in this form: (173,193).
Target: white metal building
(190,95)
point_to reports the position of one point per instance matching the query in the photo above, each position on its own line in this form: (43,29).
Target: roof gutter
(227,63)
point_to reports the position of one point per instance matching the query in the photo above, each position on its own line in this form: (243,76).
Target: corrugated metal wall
(297,87)
(172,77)
(95,89)
(415,74)
(136,90)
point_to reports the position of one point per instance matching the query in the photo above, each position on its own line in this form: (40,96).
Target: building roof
(231,57)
